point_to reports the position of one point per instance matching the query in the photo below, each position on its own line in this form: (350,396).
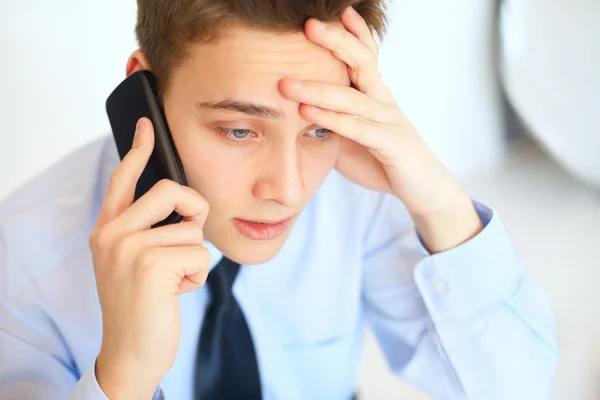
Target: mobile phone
(136,97)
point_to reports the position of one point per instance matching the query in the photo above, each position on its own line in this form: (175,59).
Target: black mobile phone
(137,97)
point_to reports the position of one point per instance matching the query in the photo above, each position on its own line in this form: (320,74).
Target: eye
(319,132)
(238,134)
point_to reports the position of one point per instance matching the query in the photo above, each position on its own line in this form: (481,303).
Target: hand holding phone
(140,272)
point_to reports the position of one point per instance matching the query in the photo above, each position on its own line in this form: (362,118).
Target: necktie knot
(220,281)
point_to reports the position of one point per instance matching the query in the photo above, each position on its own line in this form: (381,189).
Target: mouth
(262,229)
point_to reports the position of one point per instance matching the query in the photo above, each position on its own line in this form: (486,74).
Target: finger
(342,99)
(356,25)
(358,129)
(128,247)
(342,44)
(187,233)
(159,202)
(180,268)
(362,62)
(121,188)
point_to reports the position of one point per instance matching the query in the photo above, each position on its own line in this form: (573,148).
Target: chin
(253,256)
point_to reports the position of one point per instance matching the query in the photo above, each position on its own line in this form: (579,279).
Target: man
(303,170)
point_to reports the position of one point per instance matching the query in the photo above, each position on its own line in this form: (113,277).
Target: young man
(317,184)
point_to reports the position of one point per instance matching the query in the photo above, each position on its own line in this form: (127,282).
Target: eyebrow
(245,107)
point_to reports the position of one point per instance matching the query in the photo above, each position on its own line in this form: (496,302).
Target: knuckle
(103,239)
(148,260)
(166,185)
(116,177)
(204,256)
(92,239)
(191,231)
(201,202)
(203,261)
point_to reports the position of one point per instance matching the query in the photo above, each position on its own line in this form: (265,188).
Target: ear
(137,62)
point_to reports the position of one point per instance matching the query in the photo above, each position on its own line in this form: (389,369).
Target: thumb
(121,189)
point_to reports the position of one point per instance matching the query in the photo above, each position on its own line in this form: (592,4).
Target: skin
(323,79)
(273,173)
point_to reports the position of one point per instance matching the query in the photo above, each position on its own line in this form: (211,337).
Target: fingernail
(321,26)
(298,85)
(316,109)
(137,137)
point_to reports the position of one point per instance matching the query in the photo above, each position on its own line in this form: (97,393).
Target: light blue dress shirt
(465,323)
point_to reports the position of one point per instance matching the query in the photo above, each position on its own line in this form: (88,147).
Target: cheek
(318,163)
(215,174)
(212,171)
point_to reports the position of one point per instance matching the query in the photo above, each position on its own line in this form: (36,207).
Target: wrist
(449,227)
(119,379)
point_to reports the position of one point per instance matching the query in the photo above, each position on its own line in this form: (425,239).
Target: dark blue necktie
(225,362)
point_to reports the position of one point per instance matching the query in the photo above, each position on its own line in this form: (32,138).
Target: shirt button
(439,286)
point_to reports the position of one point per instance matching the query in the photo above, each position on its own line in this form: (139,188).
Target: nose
(281,180)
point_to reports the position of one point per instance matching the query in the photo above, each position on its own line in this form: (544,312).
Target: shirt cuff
(461,281)
(87,387)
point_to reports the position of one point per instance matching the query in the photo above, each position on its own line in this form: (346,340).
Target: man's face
(244,147)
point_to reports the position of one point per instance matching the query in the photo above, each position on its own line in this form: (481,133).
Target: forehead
(247,60)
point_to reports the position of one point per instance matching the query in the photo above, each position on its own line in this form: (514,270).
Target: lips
(262,229)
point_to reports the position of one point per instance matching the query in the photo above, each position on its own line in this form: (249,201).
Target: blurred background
(507,93)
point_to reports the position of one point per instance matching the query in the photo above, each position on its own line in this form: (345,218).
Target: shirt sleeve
(467,323)
(32,365)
